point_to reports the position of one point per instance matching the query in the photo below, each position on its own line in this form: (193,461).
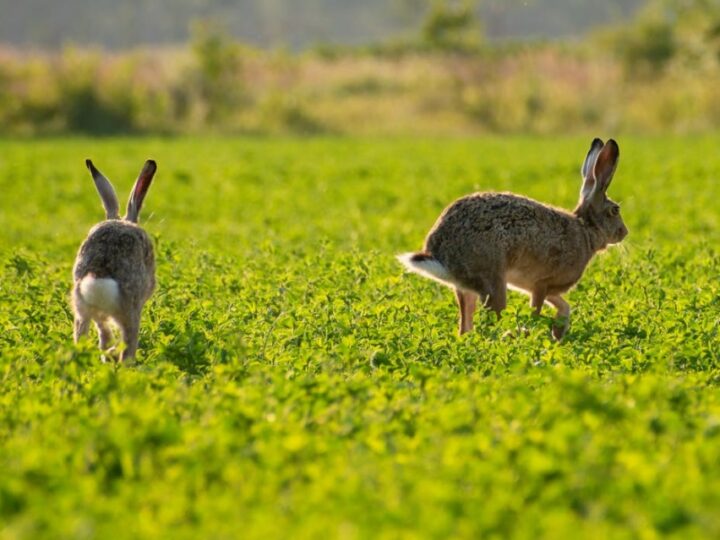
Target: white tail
(100,293)
(427,266)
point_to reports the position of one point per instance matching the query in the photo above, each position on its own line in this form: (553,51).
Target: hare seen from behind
(114,271)
(485,242)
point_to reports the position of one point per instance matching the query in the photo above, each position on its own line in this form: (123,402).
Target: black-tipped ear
(586,170)
(106,191)
(142,184)
(605,166)
(592,154)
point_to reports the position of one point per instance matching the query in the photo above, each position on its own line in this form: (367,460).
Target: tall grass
(217,85)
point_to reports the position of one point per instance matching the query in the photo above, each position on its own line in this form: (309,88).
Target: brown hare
(114,272)
(485,242)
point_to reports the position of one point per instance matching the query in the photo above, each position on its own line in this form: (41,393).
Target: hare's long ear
(587,169)
(142,184)
(605,166)
(106,191)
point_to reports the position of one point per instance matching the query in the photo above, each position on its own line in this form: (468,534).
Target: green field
(292,382)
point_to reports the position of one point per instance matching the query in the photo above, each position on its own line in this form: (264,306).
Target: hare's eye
(614,211)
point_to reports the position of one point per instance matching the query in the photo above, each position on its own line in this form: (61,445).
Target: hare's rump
(115,249)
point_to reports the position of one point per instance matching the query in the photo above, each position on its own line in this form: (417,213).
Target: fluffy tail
(426,265)
(100,293)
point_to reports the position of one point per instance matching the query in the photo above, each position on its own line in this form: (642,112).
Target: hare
(485,242)
(114,272)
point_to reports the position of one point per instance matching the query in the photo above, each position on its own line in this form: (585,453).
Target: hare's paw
(515,333)
(560,328)
(110,355)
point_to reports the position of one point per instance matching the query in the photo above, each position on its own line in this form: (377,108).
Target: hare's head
(595,208)
(109,199)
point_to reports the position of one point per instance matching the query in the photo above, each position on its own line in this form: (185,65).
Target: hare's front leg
(105,338)
(104,334)
(467,301)
(563,316)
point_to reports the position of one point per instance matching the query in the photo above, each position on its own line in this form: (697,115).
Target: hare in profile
(114,272)
(485,242)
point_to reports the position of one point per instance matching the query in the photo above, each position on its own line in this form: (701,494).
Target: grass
(292,382)
(213,87)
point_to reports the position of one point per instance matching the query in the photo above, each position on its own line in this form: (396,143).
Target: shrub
(218,73)
(451,27)
(646,49)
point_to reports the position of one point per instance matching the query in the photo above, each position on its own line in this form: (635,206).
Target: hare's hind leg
(537,299)
(130,326)
(563,316)
(81,326)
(493,294)
(467,301)
(497,301)
(81,322)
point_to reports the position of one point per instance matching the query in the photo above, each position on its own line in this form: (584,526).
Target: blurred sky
(290,23)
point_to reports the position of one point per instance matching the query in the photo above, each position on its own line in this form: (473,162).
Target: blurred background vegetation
(345,67)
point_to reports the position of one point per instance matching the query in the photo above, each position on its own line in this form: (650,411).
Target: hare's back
(115,249)
(490,221)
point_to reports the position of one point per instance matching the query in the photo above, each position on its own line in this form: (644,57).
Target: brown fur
(120,250)
(487,241)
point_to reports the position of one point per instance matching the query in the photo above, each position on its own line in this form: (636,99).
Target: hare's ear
(587,169)
(605,166)
(142,184)
(106,191)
